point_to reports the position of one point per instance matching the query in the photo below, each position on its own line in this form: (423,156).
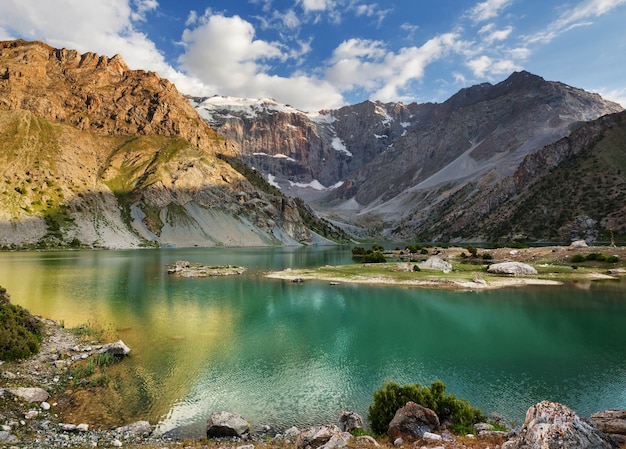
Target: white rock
(398,442)
(31,414)
(82,427)
(512,268)
(431,436)
(44,406)
(116,443)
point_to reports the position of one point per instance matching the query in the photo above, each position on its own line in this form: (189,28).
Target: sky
(322,54)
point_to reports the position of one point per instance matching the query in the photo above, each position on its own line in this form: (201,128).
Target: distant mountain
(94,153)
(383,168)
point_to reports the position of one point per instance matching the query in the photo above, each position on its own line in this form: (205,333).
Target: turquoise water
(287,354)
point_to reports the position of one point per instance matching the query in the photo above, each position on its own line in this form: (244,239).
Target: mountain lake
(283,353)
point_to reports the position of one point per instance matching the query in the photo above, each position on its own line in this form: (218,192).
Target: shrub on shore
(20,332)
(392,396)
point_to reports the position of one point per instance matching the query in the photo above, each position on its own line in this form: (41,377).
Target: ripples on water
(285,354)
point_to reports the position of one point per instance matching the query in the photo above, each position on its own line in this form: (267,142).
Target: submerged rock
(549,425)
(226,424)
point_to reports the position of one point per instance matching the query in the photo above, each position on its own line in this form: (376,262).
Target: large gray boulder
(436,263)
(226,424)
(549,425)
(118,348)
(29,394)
(611,422)
(412,421)
(512,268)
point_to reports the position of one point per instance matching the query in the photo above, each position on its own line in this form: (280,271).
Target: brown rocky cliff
(96,93)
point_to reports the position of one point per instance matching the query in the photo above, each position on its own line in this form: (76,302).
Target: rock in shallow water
(226,424)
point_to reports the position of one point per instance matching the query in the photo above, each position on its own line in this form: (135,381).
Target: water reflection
(284,354)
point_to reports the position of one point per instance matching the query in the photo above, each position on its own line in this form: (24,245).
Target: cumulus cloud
(491,35)
(484,66)
(224,54)
(367,64)
(580,15)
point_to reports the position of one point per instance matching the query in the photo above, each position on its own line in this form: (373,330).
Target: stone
(82,428)
(116,443)
(431,436)
(115,348)
(366,440)
(8,375)
(44,406)
(549,425)
(292,432)
(29,394)
(611,422)
(7,438)
(246,446)
(578,244)
(31,414)
(226,424)
(350,421)
(140,428)
(412,421)
(512,268)
(398,442)
(436,263)
(316,436)
(338,441)
(67,427)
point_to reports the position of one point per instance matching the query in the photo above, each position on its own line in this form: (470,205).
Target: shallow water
(298,354)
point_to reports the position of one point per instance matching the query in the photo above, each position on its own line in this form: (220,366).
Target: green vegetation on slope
(20,332)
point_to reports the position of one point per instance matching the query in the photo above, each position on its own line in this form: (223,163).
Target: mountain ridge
(97,154)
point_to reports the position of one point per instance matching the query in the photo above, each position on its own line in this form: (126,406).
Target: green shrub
(472,250)
(392,396)
(599,257)
(612,259)
(577,258)
(358,251)
(487,256)
(20,332)
(374,257)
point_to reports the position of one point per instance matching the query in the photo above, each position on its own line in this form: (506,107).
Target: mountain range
(93,153)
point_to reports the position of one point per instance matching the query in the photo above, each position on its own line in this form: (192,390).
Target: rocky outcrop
(317,436)
(226,424)
(412,421)
(29,394)
(549,425)
(350,421)
(512,268)
(611,422)
(117,348)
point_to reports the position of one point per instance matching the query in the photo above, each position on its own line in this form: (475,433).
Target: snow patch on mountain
(338,145)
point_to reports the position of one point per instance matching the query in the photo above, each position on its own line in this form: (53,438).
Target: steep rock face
(294,149)
(572,189)
(99,154)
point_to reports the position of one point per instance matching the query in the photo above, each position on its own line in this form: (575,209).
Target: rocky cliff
(387,167)
(94,153)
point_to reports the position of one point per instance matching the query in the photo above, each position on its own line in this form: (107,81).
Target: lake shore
(469,273)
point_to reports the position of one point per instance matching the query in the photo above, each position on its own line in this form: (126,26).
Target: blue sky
(316,54)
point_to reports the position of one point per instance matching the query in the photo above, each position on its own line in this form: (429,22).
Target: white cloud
(488,9)
(491,35)
(581,15)
(316,5)
(223,53)
(485,66)
(143,7)
(363,64)
(616,95)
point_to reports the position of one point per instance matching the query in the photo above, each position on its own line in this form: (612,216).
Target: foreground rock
(117,348)
(412,421)
(317,436)
(512,268)
(613,423)
(549,425)
(29,394)
(226,424)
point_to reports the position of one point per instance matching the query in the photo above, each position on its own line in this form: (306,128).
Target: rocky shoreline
(33,390)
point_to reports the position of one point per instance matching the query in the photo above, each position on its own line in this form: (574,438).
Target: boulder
(338,441)
(350,421)
(611,422)
(436,263)
(578,244)
(226,424)
(412,421)
(116,348)
(512,268)
(316,436)
(549,425)
(139,428)
(29,394)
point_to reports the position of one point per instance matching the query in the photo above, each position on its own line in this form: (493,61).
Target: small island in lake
(187,269)
(457,268)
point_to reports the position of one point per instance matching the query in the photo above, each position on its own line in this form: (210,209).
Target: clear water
(287,354)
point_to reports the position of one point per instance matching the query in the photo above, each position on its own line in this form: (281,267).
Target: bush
(20,332)
(487,256)
(612,259)
(358,251)
(472,250)
(577,258)
(392,396)
(374,257)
